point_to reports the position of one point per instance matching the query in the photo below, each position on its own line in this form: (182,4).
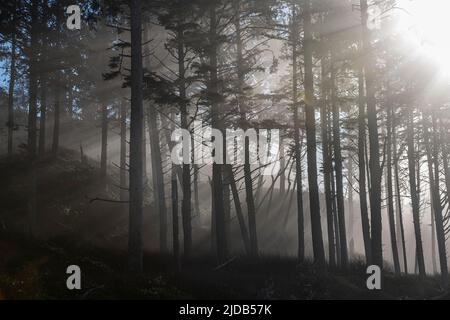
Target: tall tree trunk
(156,161)
(248,181)
(32,120)
(437,206)
(12,81)
(104,147)
(175,232)
(239,214)
(32,82)
(144,150)
(414,193)
(351,216)
(390,198)
(282,167)
(216,123)
(56,119)
(335,217)
(399,199)
(316,227)
(427,144)
(297,144)
(43,118)
(70,112)
(338,169)
(136,134)
(186,204)
(374,161)
(362,169)
(327,168)
(445,154)
(195,169)
(123,151)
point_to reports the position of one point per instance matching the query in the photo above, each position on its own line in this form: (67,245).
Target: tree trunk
(362,169)
(136,134)
(437,207)
(216,123)
(239,214)
(195,169)
(186,205)
(12,81)
(56,119)
(226,202)
(427,144)
(338,169)
(248,181)
(297,144)
(282,167)
(335,218)
(123,151)
(32,82)
(374,161)
(43,118)
(390,198)
(104,147)
(414,193)
(316,228)
(175,232)
(351,216)
(157,163)
(327,168)
(399,199)
(144,150)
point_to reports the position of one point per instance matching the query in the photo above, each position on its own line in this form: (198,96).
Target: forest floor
(74,230)
(33,270)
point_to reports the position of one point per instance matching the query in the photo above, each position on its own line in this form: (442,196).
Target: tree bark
(43,118)
(123,151)
(316,227)
(297,145)
(136,135)
(374,161)
(12,81)
(338,169)
(427,143)
(104,146)
(390,199)
(362,169)
(248,181)
(157,163)
(32,82)
(351,215)
(175,232)
(414,194)
(186,205)
(399,199)
(216,123)
(327,168)
(437,206)
(239,214)
(56,119)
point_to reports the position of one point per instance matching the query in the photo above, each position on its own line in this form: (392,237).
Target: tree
(297,146)
(414,192)
(136,135)
(374,145)
(316,228)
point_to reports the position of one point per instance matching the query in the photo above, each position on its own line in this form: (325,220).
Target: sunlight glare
(427,22)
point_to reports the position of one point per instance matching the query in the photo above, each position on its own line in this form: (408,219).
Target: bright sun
(428,23)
